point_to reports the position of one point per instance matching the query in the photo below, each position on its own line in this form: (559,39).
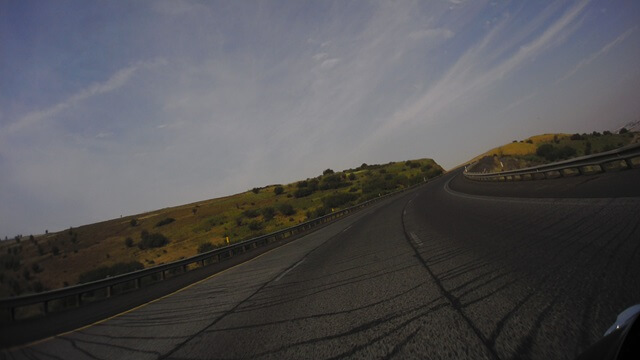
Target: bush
(154,240)
(337,200)
(327,172)
(251,213)
(553,153)
(165,222)
(302,184)
(109,271)
(352,176)
(255,190)
(55,250)
(606,132)
(205,247)
(268,213)
(576,137)
(287,209)
(333,181)
(133,222)
(255,225)
(37,286)
(529,141)
(278,190)
(128,242)
(302,192)
(623,131)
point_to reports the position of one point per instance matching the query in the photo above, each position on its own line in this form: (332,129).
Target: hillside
(546,148)
(54,260)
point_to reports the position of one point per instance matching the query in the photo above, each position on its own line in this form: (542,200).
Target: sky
(111,108)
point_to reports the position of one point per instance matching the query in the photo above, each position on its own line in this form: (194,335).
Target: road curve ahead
(433,273)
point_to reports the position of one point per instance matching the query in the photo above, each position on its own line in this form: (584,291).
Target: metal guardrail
(627,157)
(76,294)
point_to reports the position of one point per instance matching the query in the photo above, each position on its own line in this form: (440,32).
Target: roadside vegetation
(56,259)
(547,148)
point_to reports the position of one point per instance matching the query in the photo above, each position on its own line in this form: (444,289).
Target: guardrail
(627,157)
(75,296)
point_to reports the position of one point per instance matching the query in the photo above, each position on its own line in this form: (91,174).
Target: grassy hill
(546,148)
(54,260)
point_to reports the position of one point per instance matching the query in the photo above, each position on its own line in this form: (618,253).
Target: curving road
(450,270)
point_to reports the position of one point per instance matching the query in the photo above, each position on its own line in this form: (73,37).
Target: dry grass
(210,220)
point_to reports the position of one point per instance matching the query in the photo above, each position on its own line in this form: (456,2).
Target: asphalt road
(449,270)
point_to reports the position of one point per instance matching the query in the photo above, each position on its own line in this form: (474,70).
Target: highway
(453,269)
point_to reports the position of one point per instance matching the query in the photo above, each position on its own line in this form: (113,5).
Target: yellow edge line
(37,342)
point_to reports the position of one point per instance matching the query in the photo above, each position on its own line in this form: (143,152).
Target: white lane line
(289,269)
(347,228)
(404,212)
(415,238)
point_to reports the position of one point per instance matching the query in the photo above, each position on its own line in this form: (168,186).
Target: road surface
(451,270)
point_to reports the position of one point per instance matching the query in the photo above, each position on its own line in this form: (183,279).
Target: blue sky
(110,108)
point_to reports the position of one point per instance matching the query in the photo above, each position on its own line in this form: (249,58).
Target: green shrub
(154,240)
(128,242)
(255,190)
(337,200)
(287,209)
(251,213)
(352,176)
(302,192)
(255,225)
(333,181)
(109,271)
(205,247)
(133,222)
(10,262)
(165,222)
(268,213)
(553,153)
(278,190)
(623,131)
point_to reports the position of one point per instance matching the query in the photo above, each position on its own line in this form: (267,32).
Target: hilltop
(547,148)
(90,252)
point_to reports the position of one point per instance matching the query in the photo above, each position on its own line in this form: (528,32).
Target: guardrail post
(162,275)
(137,283)
(109,290)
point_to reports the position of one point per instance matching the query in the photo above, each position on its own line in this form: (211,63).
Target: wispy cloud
(605,49)
(439,33)
(467,75)
(115,81)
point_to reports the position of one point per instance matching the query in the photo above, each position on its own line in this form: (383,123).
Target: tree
(255,190)
(352,176)
(327,172)
(623,131)
(278,190)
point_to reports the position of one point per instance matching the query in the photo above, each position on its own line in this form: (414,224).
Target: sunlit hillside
(53,260)
(546,148)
